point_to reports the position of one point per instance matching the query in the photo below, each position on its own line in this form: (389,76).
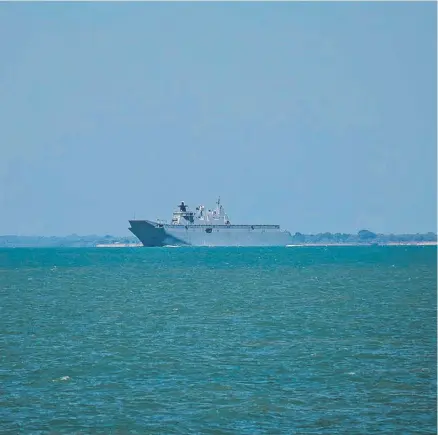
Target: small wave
(62,379)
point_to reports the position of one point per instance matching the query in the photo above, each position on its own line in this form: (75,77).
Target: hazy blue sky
(316,116)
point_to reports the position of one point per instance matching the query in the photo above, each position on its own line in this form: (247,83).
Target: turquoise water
(338,340)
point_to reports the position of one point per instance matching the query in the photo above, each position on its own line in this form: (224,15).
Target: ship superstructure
(183,216)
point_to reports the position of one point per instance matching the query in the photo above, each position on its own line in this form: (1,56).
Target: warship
(206,228)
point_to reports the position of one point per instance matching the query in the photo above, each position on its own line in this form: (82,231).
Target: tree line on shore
(363,236)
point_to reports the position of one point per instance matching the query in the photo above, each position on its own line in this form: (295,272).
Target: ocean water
(307,340)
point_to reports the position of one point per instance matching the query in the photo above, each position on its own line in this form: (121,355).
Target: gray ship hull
(155,234)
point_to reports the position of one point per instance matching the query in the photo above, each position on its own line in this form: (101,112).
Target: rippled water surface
(338,340)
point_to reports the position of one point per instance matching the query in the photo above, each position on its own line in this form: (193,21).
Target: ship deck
(241,227)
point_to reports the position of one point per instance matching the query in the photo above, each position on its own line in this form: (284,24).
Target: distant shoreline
(139,245)
(367,244)
(362,238)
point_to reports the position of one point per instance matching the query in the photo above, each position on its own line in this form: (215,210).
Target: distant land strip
(363,237)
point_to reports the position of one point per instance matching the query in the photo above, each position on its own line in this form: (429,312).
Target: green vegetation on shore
(362,237)
(71,241)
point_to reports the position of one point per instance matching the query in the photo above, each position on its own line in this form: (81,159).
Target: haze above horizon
(320,117)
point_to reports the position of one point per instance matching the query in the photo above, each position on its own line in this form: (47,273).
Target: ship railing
(244,227)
